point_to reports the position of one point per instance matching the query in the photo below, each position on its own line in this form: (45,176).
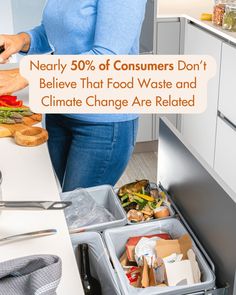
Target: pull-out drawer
(227,101)
(225,158)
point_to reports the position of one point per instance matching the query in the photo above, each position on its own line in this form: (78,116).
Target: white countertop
(192,10)
(28,175)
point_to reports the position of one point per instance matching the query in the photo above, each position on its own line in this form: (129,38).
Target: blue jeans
(86,154)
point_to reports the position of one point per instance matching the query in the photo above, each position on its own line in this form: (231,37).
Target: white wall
(191,7)
(20,15)
(6,22)
(26,14)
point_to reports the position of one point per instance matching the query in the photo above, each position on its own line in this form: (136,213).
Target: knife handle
(2,48)
(31,205)
(59,205)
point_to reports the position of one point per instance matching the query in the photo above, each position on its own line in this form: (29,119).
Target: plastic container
(100,265)
(229,20)
(105,196)
(116,239)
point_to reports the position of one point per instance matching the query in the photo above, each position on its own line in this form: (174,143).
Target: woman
(86,150)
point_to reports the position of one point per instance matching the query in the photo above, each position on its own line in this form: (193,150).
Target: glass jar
(218,12)
(229,19)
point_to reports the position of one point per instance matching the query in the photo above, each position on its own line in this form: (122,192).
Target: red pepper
(8,97)
(3,104)
(10,101)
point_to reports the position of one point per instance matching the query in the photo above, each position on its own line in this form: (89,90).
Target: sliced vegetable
(27,113)
(159,203)
(20,109)
(145,197)
(138,199)
(126,204)
(6,121)
(15,115)
(125,197)
(10,101)
(152,205)
(143,190)
(141,206)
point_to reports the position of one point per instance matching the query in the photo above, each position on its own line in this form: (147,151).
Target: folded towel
(31,275)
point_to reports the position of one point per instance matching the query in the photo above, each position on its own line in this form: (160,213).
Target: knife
(29,235)
(33,205)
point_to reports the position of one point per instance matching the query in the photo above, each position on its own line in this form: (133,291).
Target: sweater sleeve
(118,25)
(38,41)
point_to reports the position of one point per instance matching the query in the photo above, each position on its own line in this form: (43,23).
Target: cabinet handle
(227,121)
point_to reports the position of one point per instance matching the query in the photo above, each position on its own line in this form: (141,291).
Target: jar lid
(231,6)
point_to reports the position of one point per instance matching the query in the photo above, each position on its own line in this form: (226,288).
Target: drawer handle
(227,121)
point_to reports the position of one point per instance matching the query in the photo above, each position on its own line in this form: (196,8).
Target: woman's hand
(11,81)
(13,44)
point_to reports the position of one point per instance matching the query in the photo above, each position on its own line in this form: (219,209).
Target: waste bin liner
(105,196)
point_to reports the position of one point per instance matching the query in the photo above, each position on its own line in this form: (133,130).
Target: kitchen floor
(141,166)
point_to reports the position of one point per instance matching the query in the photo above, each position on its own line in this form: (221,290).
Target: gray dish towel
(31,275)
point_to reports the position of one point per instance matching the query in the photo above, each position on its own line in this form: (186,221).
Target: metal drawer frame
(223,290)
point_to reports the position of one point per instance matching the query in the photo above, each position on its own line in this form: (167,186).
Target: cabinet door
(145,130)
(227,101)
(200,129)
(225,159)
(168,37)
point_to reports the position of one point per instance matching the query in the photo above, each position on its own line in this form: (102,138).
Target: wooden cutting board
(23,133)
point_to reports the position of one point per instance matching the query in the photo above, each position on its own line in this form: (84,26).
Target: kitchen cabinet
(225,156)
(167,41)
(145,130)
(200,129)
(168,36)
(147,121)
(227,99)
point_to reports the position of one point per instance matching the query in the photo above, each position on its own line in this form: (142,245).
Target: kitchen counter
(28,175)
(192,12)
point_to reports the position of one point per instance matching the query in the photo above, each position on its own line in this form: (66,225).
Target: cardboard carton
(165,248)
(179,273)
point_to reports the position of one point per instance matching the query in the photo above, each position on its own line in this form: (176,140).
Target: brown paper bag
(124,259)
(152,277)
(145,274)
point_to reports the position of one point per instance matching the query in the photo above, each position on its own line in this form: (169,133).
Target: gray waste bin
(116,239)
(100,264)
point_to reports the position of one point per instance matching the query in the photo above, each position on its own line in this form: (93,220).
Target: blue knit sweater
(90,27)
